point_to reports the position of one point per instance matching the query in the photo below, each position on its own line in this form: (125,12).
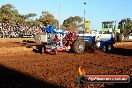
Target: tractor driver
(56,40)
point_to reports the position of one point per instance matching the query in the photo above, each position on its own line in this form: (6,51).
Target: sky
(96,10)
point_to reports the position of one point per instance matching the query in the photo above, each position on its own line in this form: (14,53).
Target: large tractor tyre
(78,46)
(108,48)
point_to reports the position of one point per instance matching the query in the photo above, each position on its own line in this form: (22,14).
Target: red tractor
(58,40)
(70,42)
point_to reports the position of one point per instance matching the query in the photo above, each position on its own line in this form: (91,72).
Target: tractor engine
(75,44)
(69,39)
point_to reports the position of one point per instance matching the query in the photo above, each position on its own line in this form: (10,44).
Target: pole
(114,28)
(59,14)
(84,16)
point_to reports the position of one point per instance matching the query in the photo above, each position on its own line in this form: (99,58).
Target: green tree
(71,23)
(48,18)
(125,26)
(8,13)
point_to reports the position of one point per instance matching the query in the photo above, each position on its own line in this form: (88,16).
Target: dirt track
(20,67)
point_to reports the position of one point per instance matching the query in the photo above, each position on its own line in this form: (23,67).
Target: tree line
(9,14)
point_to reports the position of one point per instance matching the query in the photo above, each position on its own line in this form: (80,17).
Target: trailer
(105,42)
(101,41)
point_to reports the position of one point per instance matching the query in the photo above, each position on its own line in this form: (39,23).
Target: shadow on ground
(122,51)
(10,78)
(28,41)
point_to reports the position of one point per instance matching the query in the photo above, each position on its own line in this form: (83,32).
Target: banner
(87,26)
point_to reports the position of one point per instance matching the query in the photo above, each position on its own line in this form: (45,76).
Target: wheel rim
(104,48)
(109,47)
(81,47)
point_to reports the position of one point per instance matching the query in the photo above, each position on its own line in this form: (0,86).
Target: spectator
(8,29)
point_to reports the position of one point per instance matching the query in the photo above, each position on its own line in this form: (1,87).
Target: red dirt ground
(21,67)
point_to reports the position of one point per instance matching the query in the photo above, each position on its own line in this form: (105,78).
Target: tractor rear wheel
(78,46)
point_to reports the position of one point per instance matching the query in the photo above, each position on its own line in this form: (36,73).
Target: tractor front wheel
(78,46)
